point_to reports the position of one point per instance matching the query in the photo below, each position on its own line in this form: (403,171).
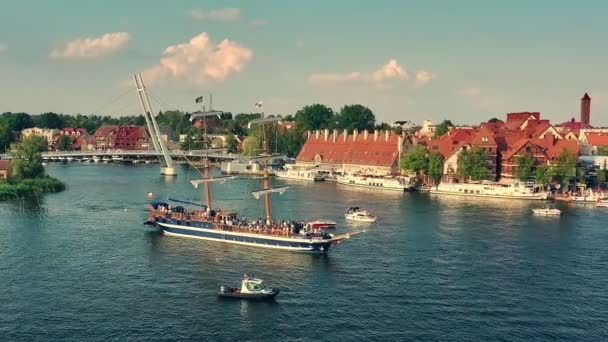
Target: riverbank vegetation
(27,176)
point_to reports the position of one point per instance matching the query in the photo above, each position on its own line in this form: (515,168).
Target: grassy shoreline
(13,189)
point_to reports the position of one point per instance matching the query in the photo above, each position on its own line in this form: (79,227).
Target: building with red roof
(594,143)
(113,137)
(76,136)
(375,153)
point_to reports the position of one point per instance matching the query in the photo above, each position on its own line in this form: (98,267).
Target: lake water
(80,266)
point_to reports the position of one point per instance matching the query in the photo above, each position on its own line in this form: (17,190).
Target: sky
(467,60)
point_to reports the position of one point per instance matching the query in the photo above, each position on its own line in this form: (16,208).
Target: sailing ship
(212,224)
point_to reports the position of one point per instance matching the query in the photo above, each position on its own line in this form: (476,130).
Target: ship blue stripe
(265,241)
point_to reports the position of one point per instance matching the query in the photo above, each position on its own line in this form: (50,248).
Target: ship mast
(204,114)
(266,190)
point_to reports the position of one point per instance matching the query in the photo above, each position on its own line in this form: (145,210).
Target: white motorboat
(70,159)
(547,211)
(359,214)
(96,159)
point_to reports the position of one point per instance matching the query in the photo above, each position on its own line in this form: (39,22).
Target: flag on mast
(199,99)
(259,104)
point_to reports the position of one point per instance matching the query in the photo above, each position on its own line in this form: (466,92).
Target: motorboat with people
(251,288)
(547,211)
(359,214)
(322,224)
(214,224)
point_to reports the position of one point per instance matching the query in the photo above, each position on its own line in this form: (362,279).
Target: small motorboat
(359,214)
(322,224)
(319,178)
(251,288)
(547,211)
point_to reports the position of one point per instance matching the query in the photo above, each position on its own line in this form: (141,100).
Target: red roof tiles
(338,150)
(597,139)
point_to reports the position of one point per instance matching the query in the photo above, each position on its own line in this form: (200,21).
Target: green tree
(415,160)
(64,143)
(565,167)
(581,175)
(465,164)
(525,166)
(435,167)
(493,120)
(231,144)
(383,127)
(16,122)
(399,130)
(356,116)
(316,116)
(27,158)
(543,174)
(481,169)
(49,120)
(601,176)
(602,150)
(6,137)
(294,140)
(443,128)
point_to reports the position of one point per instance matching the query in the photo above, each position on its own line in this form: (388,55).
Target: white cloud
(391,71)
(93,47)
(222,14)
(200,60)
(423,77)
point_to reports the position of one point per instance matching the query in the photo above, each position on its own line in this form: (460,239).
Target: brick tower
(585,111)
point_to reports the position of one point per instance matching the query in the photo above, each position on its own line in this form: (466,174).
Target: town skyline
(404,61)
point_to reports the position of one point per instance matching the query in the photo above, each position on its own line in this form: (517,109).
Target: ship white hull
(373,184)
(254,240)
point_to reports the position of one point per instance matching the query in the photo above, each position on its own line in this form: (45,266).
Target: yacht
(95,159)
(492,189)
(251,288)
(395,183)
(298,173)
(359,214)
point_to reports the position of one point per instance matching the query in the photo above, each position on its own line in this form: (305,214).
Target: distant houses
(5,169)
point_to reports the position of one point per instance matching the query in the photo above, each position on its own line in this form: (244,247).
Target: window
(484,139)
(435,148)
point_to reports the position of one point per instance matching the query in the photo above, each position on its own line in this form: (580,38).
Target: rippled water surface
(80,266)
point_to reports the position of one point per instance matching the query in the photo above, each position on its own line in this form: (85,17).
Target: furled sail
(280,190)
(198,182)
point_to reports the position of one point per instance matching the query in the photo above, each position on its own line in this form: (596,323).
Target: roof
(106,130)
(484,137)
(362,151)
(597,139)
(586,97)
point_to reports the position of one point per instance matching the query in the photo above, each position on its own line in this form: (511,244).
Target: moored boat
(376,182)
(602,203)
(359,215)
(492,189)
(251,288)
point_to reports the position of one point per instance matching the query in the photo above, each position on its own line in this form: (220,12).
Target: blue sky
(463,60)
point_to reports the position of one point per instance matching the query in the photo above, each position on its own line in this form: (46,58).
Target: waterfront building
(505,141)
(5,169)
(113,137)
(594,143)
(47,133)
(76,136)
(375,153)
